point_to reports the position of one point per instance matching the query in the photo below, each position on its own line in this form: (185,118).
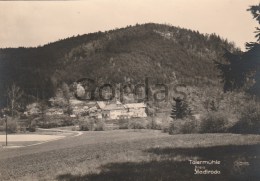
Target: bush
(154,124)
(171,129)
(189,127)
(90,124)
(86,124)
(99,125)
(32,126)
(54,121)
(165,127)
(183,126)
(31,129)
(166,123)
(11,125)
(214,122)
(22,129)
(123,123)
(29,124)
(68,121)
(249,120)
(134,123)
(137,124)
(75,128)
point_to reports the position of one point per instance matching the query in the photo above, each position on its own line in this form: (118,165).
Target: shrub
(123,123)
(86,124)
(189,127)
(31,129)
(53,121)
(165,127)
(183,126)
(2,128)
(68,121)
(214,122)
(29,124)
(11,125)
(171,128)
(137,124)
(99,125)
(32,126)
(75,128)
(154,124)
(22,129)
(166,123)
(249,120)
(90,124)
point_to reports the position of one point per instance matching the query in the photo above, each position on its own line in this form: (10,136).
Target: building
(136,110)
(114,111)
(108,111)
(124,111)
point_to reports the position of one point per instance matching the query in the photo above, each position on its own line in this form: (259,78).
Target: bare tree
(14,94)
(42,109)
(66,96)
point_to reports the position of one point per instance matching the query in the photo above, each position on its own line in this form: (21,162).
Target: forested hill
(131,53)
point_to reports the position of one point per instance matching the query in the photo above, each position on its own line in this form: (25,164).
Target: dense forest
(161,52)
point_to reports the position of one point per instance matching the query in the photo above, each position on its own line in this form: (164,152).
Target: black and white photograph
(130,90)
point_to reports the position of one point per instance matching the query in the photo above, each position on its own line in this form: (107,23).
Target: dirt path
(42,136)
(28,137)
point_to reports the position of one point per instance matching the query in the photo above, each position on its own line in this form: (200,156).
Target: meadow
(134,155)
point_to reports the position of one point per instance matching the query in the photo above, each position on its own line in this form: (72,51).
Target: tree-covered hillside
(161,52)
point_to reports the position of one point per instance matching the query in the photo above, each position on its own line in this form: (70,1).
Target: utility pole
(5,130)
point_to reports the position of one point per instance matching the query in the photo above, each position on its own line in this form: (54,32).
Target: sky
(34,23)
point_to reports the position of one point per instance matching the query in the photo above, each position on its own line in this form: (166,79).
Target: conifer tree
(180,109)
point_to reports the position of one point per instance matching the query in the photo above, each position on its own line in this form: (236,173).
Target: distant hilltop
(129,54)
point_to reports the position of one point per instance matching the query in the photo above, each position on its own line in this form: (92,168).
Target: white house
(120,111)
(114,111)
(136,109)
(106,110)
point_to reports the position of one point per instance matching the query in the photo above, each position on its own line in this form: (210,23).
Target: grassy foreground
(134,155)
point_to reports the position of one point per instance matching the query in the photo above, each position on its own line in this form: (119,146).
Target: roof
(135,105)
(76,102)
(90,103)
(101,104)
(114,107)
(118,102)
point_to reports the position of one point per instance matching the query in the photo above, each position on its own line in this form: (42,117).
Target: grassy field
(134,155)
